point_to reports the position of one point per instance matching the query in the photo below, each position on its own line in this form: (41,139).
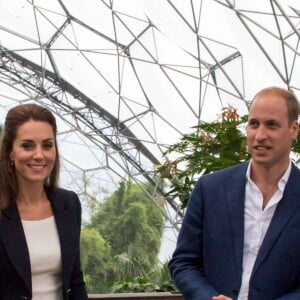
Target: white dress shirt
(256,223)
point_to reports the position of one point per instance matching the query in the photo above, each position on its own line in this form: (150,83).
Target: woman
(39,223)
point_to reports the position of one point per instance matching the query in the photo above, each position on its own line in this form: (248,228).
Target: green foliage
(296,150)
(212,146)
(163,275)
(95,262)
(128,218)
(133,285)
(158,280)
(140,285)
(91,196)
(127,229)
(128,263)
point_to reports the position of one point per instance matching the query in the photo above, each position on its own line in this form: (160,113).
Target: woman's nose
(38,153)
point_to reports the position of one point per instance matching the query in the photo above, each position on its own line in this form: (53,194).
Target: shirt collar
(282,181)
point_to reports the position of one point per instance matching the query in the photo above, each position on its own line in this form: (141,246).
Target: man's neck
(265,175)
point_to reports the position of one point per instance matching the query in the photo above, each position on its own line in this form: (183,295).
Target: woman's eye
(48,145)
(27,146)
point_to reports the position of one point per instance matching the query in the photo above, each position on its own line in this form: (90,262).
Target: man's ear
(295,129)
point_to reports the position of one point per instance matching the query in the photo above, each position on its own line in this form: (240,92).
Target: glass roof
(128,78)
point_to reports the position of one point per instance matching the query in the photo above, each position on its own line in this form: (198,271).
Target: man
(240,237)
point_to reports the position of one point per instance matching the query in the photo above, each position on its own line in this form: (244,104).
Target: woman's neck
(33,204)
(31,195)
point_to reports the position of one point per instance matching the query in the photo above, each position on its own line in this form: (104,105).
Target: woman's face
(33,152)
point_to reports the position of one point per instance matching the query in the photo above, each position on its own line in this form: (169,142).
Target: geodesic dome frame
(128,78)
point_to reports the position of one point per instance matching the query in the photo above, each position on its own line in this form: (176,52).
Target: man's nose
(261,133)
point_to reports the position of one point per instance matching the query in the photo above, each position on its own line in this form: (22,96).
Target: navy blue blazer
(208,257)
(15,273)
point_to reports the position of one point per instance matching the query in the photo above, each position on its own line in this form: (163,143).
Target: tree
(212,146)
(95,259)
(131,226)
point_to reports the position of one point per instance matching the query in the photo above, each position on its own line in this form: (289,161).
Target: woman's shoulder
(64,192)
(61,195)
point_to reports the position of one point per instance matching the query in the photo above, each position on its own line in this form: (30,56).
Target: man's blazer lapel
(14,242)
(235,197)
(287,207)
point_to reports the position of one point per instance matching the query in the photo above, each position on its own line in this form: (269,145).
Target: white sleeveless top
(45,258)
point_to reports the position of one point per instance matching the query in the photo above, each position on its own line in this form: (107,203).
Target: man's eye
(252,124)
(273,124)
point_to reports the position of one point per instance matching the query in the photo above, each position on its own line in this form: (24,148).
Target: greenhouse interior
(126,81)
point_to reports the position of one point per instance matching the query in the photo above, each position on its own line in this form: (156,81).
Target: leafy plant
(212,146)
(122,238)
(140,285)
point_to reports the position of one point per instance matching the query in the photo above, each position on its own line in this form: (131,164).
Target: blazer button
(24,298)
(235,292)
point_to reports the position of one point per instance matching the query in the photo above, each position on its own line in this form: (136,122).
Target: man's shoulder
(232,170)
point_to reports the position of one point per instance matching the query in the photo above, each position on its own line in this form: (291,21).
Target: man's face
(269,134)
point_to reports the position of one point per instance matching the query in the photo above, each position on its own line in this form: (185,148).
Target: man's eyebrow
(273,121)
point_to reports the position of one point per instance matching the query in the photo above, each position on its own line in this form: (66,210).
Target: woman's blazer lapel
(67,217)
(14,242)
